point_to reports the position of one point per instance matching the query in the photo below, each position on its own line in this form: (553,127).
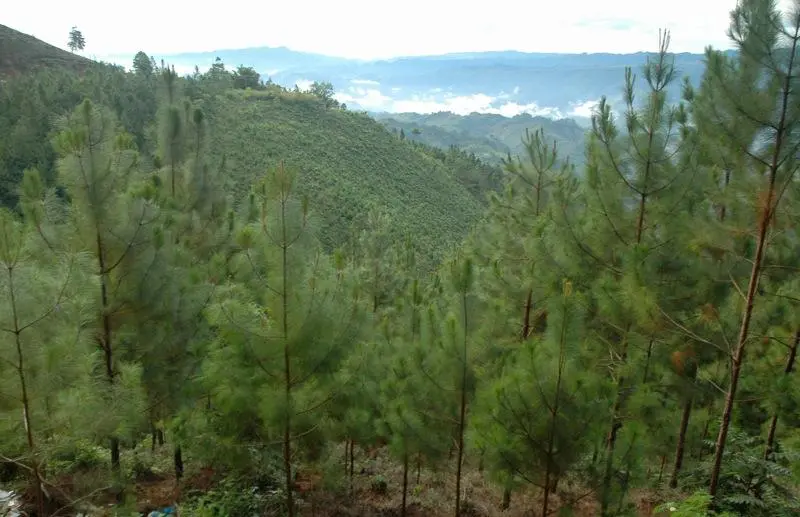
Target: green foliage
(348,165)
(76,40)
(379,485)
(234,498)
(262,275)
(696,505)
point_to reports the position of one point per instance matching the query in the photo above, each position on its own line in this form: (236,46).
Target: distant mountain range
(505,83)
(490,137)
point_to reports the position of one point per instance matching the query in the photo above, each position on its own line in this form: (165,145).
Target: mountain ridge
(20,53)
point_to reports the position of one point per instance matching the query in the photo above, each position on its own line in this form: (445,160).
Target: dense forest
(223,297)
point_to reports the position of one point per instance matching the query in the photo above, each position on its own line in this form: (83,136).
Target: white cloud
(369,99)
(304,84)
(369,82)
(583,109)
(434,101)
(353,28)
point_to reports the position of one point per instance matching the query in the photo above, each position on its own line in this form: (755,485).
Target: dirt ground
(432,495)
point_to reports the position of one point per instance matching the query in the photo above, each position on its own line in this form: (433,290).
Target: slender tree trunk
(178,460)
(346,457)
(679,449)
(106,341)
(616,422)
(702,448)
(554,412)
(526,319)
(352,463)
(611,441)
(773,426)
(462,410)
(287,439)
(647,361)
(744,330)
(405,484)
(419,466)
(755,274)
(26,403)
(506,499)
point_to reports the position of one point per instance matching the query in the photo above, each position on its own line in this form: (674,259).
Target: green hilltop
(348,162)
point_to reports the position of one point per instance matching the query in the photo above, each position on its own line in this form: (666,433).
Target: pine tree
(76,40)
(286,321)
(750,101)
(408,418)
(42,347)
(110,214)
(537,416)
(635,184)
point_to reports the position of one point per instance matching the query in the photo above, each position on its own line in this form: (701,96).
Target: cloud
(583,109)
(304,84)
(369,99)
(369,82)
(434,101)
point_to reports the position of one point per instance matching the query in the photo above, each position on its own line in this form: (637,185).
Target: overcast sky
(373,28)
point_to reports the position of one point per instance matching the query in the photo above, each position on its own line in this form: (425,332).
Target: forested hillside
(20,53)
(490,137)
(348,163)
(349,166)
(220,297)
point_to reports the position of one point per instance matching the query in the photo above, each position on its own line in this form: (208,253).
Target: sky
(371,29)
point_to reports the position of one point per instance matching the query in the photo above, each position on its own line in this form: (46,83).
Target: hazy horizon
(356,29)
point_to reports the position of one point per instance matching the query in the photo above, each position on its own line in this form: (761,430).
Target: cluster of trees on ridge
(590,332)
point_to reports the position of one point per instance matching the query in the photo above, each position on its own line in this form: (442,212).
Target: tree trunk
(178,460)
(526,320)
(352,463)
(346,457)
(703,439)
(647,361)
(744,331)
(105,341)
(773,426)
(405,484)
(26,405)
(462,411)
(506,499)
(679,449)
(611,441)
(755,273)
(287,439)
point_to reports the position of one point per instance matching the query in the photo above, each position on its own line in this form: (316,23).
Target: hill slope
(491,137)
(348,163)
(20,53)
